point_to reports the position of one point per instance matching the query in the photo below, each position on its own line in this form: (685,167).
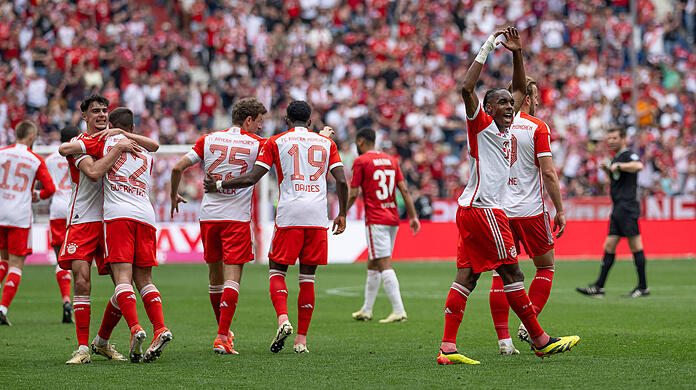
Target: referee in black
(623,172)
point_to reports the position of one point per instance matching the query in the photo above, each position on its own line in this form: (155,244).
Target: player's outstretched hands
(339,225)
(107,133)
(415,225)
(328,131)
(209,183)
(175,204)
(559,224)
(512,40)
(128,145)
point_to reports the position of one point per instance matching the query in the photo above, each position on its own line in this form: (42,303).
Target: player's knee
(82,286)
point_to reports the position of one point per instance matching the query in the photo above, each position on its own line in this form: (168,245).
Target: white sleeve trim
(478,108)
(544,154)
(338,164)
(79,158)
(193,157)
(82,145)
(263,164)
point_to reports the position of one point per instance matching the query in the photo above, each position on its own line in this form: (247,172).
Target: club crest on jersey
(71,248)
(513,251)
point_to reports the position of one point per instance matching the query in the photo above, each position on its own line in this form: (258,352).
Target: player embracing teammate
(485,239)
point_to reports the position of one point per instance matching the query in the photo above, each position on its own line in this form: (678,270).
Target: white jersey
(20,167)
(225,155)
(302,158)
(530,140)
(58,168)
(86,197)
(489,163)
(127,185)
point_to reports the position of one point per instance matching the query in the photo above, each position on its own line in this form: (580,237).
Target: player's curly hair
(84,106)
(298,111)
(367,134)
(489,95)
(247,107)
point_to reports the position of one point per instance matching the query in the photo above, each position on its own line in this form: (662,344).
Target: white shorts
(380,240)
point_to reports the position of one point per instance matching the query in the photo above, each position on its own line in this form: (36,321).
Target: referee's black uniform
(624,192)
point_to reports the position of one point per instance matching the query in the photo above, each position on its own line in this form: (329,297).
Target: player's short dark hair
(69,132)
(298,111)
(247,107)
(122,118)
(490,93)
(84,106)
(621,130)
(24,129)
(367,134)
(529,89)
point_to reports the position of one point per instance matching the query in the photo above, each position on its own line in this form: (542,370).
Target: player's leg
(542,343)
(285,249)
(540,288)
(635,243)
(216,286)
(230,296)
(500,312)
(463,284)
(152,300)
(4,263)
(597,288)
(82,287)
(112,315)
(372,282)
(391,287)
(9,289)
(212,254)
(305,305)
(64,279)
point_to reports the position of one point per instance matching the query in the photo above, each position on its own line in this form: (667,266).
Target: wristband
(486,48)
(218,185)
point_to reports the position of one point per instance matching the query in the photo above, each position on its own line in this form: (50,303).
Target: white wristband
(486,48)
(218,185)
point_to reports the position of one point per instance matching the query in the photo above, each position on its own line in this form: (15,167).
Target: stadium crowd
(391,65)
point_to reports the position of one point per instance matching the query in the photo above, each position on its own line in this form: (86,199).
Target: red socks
(153,306)
(228,306)
(499,307)
(112,315)
(215,293)
(63,278)
(83,311)
(14,276)
(126,301)
(540,289)
(454,311)
(305,303)
(522,306)
(3,269)
(279,292)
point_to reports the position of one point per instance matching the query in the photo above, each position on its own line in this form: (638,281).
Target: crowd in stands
(392,65)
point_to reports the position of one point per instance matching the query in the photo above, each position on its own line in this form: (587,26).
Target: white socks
(391,286)
(371,288)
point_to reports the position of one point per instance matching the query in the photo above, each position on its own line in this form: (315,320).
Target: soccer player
(485,240)
(623,173)
(129,232)
(225,216)
(377,174)
(58,214)
(21,167)
(302,159)
(84,236)
(530,163)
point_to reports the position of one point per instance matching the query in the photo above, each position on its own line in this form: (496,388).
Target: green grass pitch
(640,343)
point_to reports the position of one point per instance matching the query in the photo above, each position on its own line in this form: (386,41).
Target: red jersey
(377,174)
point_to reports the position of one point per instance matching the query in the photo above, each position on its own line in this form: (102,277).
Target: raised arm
(149,144)
(179,168)
(339,224)
(95,170)
(472,75)
(248,180)
(410,207)
(548,173)
(519,77)
(69,148)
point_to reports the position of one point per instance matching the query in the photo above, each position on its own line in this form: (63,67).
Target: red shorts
(16,240)
(310,245)
(485,240)
(534,233)
(226,241)
(84,241)
(131,242)
(57,231)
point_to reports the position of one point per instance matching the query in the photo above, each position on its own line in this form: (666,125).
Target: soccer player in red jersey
(377,174)
(302,159)
(84,237)
(58,214)
(225,215)
(530,164)
(129,232)
(485,240)
(20,168)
